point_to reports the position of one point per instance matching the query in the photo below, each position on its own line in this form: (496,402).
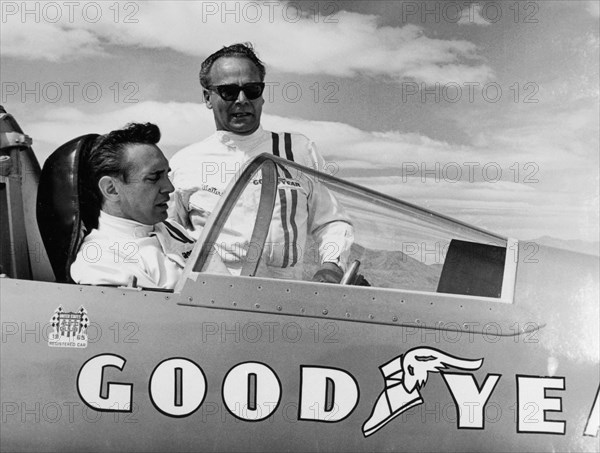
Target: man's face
(144,196)
(241,116)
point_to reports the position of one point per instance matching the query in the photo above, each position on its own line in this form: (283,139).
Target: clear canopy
(282,220)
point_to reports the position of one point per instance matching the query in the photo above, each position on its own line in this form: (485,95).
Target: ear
(206,96)
(109,189)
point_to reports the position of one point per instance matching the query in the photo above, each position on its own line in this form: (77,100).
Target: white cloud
(44,41)
(180,123)
(593,7)
(352,44)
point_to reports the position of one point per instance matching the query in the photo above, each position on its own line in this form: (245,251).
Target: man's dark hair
(106,157)
(243,50)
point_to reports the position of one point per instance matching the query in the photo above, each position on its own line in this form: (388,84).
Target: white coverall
(120,249)
(202,171)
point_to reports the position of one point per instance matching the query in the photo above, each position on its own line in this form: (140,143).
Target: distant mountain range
(387,269)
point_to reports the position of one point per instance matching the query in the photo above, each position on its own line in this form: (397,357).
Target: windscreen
(318,219)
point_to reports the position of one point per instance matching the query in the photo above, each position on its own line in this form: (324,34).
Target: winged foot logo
(404,376)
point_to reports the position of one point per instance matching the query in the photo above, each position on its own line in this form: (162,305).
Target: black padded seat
(63,214)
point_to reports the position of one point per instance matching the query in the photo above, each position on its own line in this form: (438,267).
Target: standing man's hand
(329,273)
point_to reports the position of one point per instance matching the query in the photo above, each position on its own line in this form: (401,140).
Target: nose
(241,97)
(168,187)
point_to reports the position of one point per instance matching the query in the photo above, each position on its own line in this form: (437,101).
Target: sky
(487,112)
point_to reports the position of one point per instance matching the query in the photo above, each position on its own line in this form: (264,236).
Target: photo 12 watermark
(41,412)
(69,12)
(471,92)
(471,172)
(466,12)
(269,332)
(292,92)
(124,332)
(253,12)
(69,92)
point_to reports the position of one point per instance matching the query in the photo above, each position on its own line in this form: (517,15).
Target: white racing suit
(121,249)
(201,173)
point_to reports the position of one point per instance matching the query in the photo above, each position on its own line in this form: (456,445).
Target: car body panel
(146,327)
(543,332)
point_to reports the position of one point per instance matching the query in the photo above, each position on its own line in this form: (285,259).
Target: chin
(243,128)
(160,217)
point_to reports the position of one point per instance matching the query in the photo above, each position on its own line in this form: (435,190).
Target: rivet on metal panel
(316,293)
(190,299)
(417,321)
(166,297)
(259,287)
(287,290)
(278,307)
(235,304)
(347,315)
(371,316)
(395,318)
(212,301)
(402,301)
(302,310)
(325,311)
(256,305)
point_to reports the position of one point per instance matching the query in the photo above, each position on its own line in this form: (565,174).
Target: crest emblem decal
(70,328)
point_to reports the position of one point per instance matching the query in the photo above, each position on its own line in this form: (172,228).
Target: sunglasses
(231,92)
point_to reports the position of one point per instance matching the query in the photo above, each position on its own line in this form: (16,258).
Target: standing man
(232,82)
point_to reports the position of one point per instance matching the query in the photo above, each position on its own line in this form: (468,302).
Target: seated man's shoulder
(97,261)
(106,260)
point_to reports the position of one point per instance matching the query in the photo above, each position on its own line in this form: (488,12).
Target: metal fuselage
(219,322)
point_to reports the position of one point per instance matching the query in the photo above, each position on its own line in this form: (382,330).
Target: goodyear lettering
(252,391)
(281,182)
(178,388)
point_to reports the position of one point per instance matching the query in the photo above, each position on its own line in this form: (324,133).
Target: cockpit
(397,246)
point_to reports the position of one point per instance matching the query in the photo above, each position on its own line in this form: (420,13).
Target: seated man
(133,243)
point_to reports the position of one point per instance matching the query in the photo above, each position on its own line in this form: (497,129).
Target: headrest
(63,215)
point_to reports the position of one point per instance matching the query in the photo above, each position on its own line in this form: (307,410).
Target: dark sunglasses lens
(229,92)
(253,90)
